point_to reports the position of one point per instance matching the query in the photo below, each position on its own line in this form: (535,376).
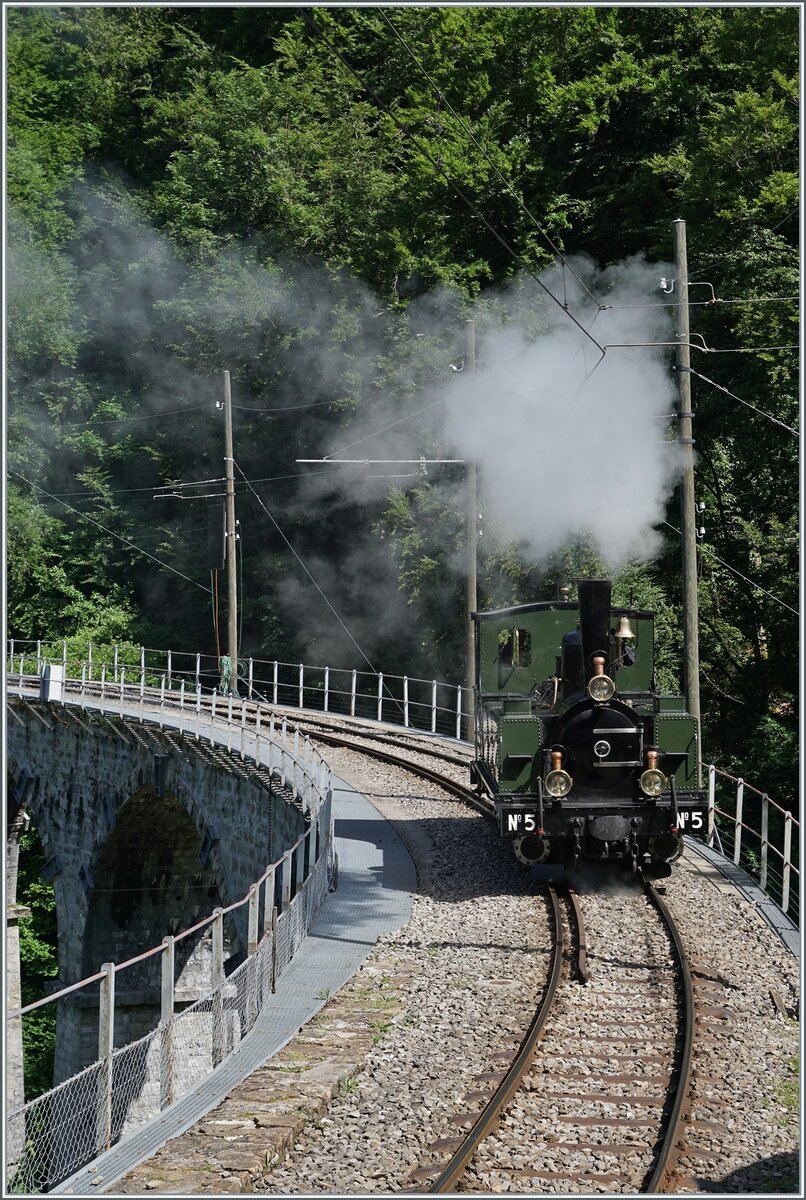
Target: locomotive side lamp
(653,781)
(558,781)
(601,688)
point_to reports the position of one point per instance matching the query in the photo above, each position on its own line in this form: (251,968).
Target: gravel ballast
(357,1099)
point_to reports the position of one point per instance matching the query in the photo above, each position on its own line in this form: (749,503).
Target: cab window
(514,648)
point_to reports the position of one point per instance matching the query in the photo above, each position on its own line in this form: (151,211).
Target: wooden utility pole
(688,524)
(472,506)
(230,539)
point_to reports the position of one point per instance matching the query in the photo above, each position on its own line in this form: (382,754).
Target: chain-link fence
(52,1137)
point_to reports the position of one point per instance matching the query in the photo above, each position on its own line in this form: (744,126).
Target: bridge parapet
(197,1021)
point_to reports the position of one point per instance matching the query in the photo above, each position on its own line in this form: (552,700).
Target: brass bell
(624,633)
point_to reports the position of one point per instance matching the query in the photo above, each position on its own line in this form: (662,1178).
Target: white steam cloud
(570,443)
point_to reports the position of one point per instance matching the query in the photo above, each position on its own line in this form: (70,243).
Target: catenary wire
(519,201)
(111,533)
(728,567)
(377,432)
(733,396)
(438,167)
(305,569)
(269,412)
(119,420)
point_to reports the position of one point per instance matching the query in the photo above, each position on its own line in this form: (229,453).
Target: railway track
(639,1036)
(630,1040)
(611,1117)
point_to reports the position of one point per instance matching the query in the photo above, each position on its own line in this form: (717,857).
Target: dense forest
(317,201)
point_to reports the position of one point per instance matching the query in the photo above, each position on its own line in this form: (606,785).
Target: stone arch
(147,885)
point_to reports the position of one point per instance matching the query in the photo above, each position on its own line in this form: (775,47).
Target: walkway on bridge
(376,886)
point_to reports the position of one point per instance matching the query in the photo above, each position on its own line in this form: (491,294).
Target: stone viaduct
(145,831)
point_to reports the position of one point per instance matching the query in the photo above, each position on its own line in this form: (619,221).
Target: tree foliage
(180,179)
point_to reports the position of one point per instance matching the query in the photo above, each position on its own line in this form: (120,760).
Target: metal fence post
(737,845)
(268,901)
(273,944)
(64,659)
(275,681)
(352,694)
(310,848)
(787,861)
(198,672)
(433,706)
(327,688)
(167,1024)
(251,674)
(169,669)
(106,1044)
(459,713)
(142,668)
(89,661)
(765,833)
(301,685)
(380,696)
(251,950)
(243,727)
(218,1048)
(711,803)
(285,885)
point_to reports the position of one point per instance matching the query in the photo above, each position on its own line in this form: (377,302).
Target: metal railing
(759,835)
(426,705)
(746,825)
(51,1137)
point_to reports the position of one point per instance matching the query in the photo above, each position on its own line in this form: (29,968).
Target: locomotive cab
(581,755)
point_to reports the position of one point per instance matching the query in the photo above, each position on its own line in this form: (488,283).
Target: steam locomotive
(581,755)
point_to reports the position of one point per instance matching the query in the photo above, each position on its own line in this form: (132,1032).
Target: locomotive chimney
(594,620)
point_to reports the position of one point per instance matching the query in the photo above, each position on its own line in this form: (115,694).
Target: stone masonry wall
(128,866)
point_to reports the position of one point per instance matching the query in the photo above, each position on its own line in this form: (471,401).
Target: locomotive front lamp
(601,688)
(653,781)
(558,782)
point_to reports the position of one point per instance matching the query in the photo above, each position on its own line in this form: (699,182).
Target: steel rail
(312,729)
(487,1118)
(582,945)
(659,1178)
(460,791)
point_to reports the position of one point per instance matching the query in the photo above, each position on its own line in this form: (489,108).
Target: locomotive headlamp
(558,782)
(653,781)
(601,687)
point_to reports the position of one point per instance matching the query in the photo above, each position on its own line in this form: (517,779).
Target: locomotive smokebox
(594,619)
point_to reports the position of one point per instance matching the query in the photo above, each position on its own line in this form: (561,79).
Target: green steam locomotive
(582,756)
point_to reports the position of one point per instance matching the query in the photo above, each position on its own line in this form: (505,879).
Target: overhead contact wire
(466,129)
(111,532)
(438,167)
(305,569)
(747,403)
(728,567)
